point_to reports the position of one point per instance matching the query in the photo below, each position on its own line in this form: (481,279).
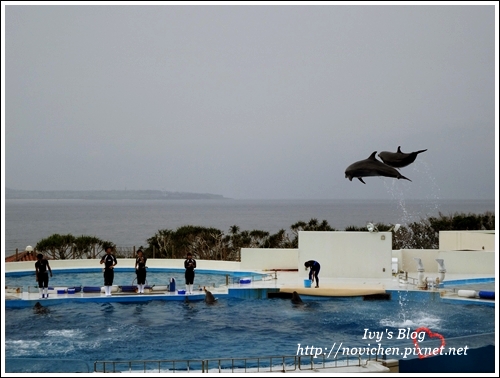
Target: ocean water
(130,223)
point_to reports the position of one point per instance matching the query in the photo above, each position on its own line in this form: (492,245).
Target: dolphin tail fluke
(405,178)
(360,179)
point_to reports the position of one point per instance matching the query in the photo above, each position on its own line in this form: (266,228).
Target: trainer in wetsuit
(42,269)
(140,270)
(109,262)
(190,265)
(314,269)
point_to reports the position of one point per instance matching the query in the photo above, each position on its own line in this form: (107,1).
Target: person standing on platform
(42,269)
(109,262)
(190,265)
(140,271)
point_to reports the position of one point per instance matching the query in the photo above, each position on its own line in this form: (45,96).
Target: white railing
(232,365)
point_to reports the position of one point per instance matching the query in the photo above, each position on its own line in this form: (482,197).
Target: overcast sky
(250,102)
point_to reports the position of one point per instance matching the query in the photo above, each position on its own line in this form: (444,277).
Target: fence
(264,364)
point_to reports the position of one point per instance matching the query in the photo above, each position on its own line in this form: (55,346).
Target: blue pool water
(230,328)
(166,330)
(124,277)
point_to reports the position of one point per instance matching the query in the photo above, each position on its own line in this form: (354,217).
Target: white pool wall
(467,241)
(346,254)
(269,258)
(459,262)
(463,252)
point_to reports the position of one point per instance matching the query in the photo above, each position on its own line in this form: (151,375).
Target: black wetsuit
(140,263)
(109,273)
(189,270)
(314,269)
(43,273)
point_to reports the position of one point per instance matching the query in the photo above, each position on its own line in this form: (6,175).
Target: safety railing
(403,277)
(264,364)
(248,279)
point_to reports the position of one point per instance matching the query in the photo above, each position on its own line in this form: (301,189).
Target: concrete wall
(269,258)
(350,248)
(471,262)
(471,252)
(341,255)
(407,263)
(456,262)
(467,240)
(345,254)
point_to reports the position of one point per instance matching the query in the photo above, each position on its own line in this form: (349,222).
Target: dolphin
(39,309)
(371,167)
(296,298)
(209,297)
(399,159)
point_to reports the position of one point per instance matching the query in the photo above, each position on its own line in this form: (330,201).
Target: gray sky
(251,102)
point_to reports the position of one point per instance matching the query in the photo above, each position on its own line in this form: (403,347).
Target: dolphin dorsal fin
(399,149)
(372,156)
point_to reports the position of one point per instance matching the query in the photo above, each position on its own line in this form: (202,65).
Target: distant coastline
(107,194)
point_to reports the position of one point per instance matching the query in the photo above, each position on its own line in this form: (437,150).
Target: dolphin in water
(39,309)
(399,159)
(209,297)
(296,298)
(371,167)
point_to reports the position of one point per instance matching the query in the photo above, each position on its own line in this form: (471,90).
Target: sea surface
(130,223)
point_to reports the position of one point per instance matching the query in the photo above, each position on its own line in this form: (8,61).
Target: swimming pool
(230,328)
(125,276)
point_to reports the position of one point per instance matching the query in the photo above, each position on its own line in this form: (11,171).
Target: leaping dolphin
(209,297)
(371,167)
(399,159)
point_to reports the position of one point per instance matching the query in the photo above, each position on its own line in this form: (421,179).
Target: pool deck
(274,282)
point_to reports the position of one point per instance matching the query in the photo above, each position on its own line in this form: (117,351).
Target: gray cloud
(250,101)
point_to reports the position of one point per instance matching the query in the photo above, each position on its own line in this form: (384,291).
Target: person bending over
(314,268)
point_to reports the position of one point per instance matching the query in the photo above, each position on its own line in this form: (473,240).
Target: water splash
(416,320)
(403,304)
(429,188)
(67,333)
(398,196)
(22,348)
